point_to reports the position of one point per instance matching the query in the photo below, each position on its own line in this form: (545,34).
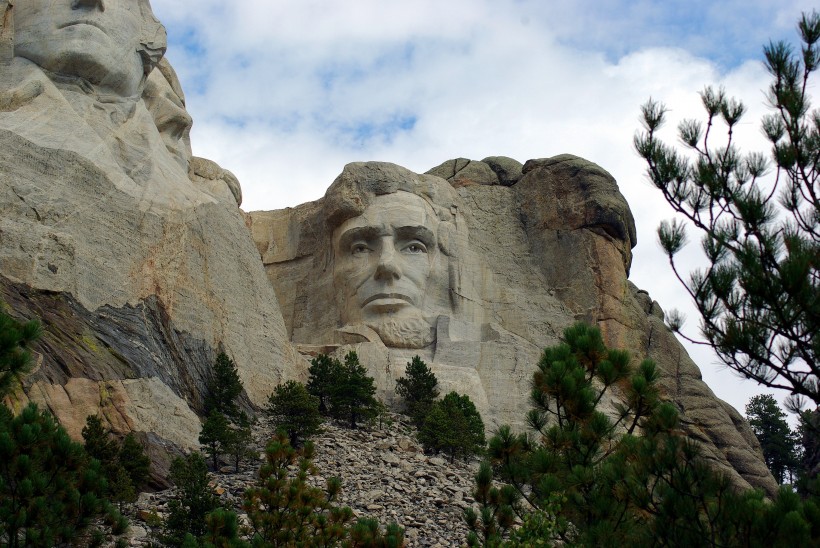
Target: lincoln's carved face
(97,40)
(386,260)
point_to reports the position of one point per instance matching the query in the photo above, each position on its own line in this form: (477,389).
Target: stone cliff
(139,262)
(517,253)
(133,252)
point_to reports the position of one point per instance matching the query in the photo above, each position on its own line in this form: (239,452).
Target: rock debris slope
(384,476)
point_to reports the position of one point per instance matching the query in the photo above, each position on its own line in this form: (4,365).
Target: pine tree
(238,445)
(124,464)
(223,388)
(49,488)
(15,355)
(134,461)
(628,479)
(419,388)
(99,444)
(809,439)
(496,515)
(758,296)
(222,530)
(776,438)
(295,411)
(352,398)
(215,436)
(194,501)
(324,373)
(366,533)
(286,509)
(453,426)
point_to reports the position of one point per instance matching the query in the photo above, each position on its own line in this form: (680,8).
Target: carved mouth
(388,297)
(86,22)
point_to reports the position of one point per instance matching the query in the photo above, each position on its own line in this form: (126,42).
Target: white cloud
(277,89)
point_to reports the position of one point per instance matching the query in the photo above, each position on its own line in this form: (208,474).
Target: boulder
(507,170)
(464,172)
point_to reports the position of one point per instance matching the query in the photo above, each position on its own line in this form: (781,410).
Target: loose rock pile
(384,473)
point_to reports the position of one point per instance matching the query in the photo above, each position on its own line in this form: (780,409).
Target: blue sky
(285,93)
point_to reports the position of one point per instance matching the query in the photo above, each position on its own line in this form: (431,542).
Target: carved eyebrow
(417,232)
(366,233)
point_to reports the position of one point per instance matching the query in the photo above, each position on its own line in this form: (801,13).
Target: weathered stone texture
(104,211)
(539,253)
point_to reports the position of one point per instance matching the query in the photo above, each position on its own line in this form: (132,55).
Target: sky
(284,93)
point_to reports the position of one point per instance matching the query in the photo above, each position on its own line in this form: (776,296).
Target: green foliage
(809,439)
(49,489)
(238,445)
(285,509)
(215,436)
(15,356)
(353,398)
(630,478)
(222,530)
(776,438)
(757,298)
(453,426)
(496,510)
(366,533)
(194,501)
(98,443)
(124,464)
(344,390)
(134,461)
(323,373)
(227,429)
(419,388)
(223,388)
(294,410)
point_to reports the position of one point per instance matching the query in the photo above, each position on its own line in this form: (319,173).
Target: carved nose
(388,268)
(88,4)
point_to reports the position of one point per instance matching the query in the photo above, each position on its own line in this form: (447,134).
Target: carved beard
(404,333)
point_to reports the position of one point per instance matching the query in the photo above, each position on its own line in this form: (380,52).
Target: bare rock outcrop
(133,253)
(476,273)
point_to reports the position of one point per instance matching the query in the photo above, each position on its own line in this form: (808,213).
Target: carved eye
(415,247)
(359,249)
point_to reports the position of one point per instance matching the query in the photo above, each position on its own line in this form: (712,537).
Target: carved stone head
(165,101)
(393,236)
(111,44)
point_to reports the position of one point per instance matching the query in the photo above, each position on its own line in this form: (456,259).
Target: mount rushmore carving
(142,267)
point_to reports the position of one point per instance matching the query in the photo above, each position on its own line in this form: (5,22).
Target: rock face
(137,258)
(476,267)
(134,253)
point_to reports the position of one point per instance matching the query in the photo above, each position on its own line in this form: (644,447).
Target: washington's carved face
(96,40)
(386,259)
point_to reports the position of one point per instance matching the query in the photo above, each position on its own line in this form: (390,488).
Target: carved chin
(404,333)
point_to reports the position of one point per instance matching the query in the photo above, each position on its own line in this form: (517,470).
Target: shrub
(194,500)
(295,411)
(453,426)
(418,388)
